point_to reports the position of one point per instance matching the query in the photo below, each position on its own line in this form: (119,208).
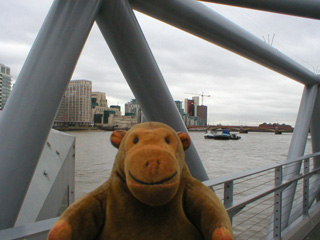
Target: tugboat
(225,135)
(243,131)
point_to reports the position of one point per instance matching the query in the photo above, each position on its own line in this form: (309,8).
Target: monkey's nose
(152,167)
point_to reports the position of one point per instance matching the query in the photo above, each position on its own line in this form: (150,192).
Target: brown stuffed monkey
(149,195)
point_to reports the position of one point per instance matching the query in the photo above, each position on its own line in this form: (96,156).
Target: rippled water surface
(95,155)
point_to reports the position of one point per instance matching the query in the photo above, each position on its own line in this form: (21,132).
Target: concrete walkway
(314,234)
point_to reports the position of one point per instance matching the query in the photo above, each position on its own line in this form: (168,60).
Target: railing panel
(257,197)
(251,198)
(32,231)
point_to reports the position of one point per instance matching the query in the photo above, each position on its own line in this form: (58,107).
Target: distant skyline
(242,92)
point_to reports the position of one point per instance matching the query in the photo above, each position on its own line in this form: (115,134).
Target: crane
(202,95)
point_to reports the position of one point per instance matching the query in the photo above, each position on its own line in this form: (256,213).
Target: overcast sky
(242,92)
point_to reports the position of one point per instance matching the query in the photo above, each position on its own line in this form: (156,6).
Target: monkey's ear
(185,140)
(116,137)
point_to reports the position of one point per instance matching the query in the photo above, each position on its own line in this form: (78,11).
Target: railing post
(228,196)
(306,169)
(228,193)
(277,204)
(315,139)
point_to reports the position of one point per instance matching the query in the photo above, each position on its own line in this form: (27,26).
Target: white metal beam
(305,8)
(141,71)
(29,113)
(196,18)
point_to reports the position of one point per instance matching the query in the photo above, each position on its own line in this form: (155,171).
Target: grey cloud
(241,90)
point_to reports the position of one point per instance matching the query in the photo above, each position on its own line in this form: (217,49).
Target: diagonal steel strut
(198,19)
(29,113)
(122,32)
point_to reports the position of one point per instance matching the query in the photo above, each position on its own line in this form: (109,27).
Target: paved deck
(314,234)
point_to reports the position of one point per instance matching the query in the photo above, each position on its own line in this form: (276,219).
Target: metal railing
(32,231)
(254,201)
(252,198)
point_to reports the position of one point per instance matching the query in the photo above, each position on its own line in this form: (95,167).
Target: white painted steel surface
(142,73)
(29,113)
(198,19)
(305,8)
(54,176)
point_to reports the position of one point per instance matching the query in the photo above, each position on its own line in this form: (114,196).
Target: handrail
(265,192)
(247,173)
(27,230)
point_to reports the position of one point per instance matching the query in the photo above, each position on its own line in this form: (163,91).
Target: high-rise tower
(5,85)
(75,107)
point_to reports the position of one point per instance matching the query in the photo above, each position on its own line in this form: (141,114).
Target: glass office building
(5,85)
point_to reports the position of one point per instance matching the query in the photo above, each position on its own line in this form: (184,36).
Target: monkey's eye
(135,140)
(167,140)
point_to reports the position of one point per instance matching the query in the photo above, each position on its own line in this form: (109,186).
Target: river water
(95,155)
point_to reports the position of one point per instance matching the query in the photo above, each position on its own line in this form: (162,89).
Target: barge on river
(225,135)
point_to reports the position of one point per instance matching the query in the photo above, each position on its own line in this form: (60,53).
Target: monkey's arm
(205,210)
(83,219)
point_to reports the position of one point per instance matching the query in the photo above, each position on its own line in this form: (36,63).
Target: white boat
(225,135)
